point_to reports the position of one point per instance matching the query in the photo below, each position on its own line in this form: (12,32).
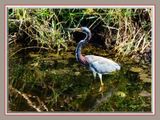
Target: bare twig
(28,48)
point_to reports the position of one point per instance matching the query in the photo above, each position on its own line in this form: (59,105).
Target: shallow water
(60,83)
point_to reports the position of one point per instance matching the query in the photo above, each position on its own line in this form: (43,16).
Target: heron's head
(83,29)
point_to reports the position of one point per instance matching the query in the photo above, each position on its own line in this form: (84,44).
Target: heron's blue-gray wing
(101,65)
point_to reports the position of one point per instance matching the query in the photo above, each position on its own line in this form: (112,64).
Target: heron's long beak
(75,29)
(78,29)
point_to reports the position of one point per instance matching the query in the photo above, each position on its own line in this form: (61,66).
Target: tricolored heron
(98,65)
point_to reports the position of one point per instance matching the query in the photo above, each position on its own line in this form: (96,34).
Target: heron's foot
(102,88)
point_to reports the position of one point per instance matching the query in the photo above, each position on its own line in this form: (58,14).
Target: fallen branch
(30,103)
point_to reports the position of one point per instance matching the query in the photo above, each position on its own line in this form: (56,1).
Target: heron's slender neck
(79,56)
(88,36)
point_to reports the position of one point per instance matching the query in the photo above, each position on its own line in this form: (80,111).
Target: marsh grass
(45,28)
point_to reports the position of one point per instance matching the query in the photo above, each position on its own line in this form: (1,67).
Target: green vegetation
(43,72)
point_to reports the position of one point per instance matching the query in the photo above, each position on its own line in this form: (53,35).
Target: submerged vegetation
(43,72)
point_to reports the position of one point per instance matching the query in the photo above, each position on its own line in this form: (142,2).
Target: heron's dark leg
(94,74)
